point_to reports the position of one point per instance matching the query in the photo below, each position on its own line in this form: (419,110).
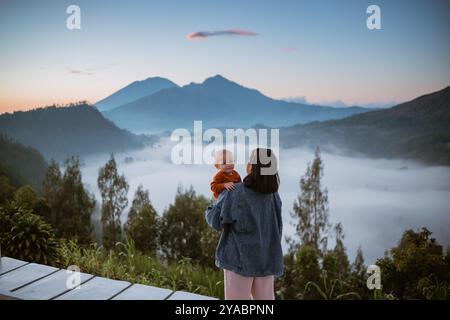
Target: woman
(249,248)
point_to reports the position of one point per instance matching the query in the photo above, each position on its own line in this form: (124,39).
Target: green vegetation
(184,229)
(416,269)
(143,224)
(70,206)
(26,236)
(176,250)
(125,262)
(311,208)
(113,189)
(21,164)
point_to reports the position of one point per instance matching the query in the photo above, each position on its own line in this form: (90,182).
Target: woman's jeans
(238,287)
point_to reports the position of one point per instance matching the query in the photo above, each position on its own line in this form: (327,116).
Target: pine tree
(184,227)
(342,263)
(311,208)
(358,275)
(143,222)
(51,188)
(113,189)
(78,205)
(71,205)
(358,266)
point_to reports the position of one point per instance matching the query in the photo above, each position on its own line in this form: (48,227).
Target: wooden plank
(7,264)
(22,280)
(48,287)
(97,288)
(24,275)
(142,292)
(183,295)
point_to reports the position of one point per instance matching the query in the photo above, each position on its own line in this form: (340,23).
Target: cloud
(374,199)
(90,71)
(231,32)
(80,72)
(342,104)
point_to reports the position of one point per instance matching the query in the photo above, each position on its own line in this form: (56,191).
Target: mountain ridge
(58,132)
(416,129)
(218,102)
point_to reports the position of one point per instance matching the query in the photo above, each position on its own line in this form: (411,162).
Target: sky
(317,50)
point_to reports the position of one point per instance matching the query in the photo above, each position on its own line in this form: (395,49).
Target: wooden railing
(23,280)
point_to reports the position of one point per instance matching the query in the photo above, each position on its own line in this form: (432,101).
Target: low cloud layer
(375,200)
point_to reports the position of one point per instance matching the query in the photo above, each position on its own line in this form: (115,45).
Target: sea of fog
(374,199)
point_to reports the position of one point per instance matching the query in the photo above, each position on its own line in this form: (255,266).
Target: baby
(226,177)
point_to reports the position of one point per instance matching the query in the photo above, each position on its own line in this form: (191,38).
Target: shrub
(26,236)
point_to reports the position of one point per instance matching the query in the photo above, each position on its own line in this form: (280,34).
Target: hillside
(20,164)
(418,129)
(58,132)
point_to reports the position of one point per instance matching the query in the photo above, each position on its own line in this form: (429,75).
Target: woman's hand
(229,186)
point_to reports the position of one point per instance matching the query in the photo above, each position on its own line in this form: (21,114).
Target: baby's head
(224,160)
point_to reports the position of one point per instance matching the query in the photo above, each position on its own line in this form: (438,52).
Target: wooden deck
(31,281)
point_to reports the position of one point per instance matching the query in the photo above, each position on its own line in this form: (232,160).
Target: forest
(52,224)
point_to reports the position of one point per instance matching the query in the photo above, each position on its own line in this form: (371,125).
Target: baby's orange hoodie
(220,178)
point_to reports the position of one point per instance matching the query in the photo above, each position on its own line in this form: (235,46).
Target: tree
(311,207)
(113,189)
(415,262)
(71,205)
(143,222)
(6,190)
(209,239)
(306,269)
(335,262)
(78,205)
(26,197)
(358,275)
(51,188)
(184,226)
(284,285)
(311,270)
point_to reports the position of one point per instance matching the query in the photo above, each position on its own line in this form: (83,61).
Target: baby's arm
(217,186)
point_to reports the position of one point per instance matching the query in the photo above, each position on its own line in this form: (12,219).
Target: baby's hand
(229,186)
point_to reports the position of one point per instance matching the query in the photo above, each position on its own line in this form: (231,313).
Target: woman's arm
(218,214)
(278,204)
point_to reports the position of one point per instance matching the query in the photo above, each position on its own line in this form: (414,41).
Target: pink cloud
(231,32)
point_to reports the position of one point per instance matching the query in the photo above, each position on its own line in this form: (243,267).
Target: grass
(128,264)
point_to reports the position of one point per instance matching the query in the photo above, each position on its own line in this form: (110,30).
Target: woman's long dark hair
(264,176)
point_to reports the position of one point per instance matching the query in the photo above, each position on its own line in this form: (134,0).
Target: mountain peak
(156,78)
(217,79)
(134,91)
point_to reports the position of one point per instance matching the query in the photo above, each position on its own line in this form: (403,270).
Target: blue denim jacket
(250,243)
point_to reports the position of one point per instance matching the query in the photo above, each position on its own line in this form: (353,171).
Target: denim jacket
(250,243)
